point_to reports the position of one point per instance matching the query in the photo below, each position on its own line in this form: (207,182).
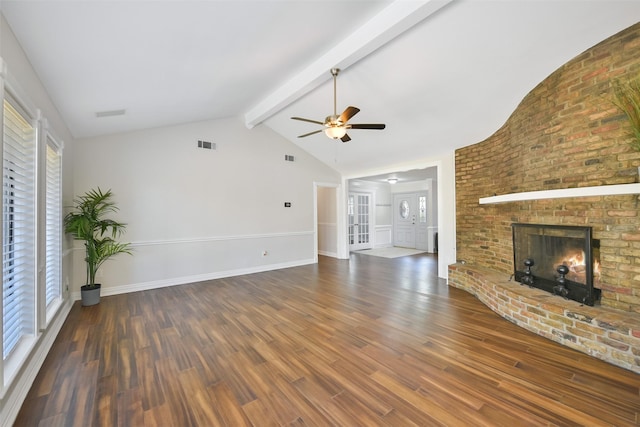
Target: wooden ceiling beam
(392,21)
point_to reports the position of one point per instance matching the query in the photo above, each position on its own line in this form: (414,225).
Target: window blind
(53,237)
(18,246)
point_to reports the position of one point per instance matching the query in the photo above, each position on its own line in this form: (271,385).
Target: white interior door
(359,227)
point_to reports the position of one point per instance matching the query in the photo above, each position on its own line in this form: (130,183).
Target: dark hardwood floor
(365,342)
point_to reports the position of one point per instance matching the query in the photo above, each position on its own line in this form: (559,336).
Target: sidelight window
(53,225)
(422,209)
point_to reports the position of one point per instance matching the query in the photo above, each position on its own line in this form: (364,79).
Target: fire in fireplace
(562,260)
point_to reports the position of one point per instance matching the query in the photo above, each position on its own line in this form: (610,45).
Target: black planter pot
(90,294)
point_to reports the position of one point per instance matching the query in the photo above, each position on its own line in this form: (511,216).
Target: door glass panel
(350,212)
(404,209)
(363,218)
(359,225)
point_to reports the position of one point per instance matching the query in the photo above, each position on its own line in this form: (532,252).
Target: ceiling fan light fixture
(336,125)
(335,132)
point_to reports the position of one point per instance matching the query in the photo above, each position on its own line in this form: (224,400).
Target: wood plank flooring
(362,342)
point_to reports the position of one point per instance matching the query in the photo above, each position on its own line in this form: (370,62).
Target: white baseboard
(329,254)
(135,287)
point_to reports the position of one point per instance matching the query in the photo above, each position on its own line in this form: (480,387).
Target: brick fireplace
(566,133)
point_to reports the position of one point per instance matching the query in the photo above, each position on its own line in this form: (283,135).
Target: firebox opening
(562,260)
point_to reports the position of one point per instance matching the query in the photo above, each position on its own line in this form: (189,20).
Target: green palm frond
(627,99)
(87,222)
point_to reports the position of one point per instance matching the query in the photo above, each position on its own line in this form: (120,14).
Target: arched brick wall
(566,133)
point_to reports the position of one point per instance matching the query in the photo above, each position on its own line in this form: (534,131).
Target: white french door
(359,227)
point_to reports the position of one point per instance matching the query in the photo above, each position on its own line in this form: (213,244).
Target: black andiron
(527,279)
(560,288)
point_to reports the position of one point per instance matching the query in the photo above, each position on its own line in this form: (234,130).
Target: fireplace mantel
(601,190)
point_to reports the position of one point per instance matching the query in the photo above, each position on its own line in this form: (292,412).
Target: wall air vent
(206,145)
(289,158)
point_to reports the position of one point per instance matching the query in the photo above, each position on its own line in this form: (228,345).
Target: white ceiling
(451,78)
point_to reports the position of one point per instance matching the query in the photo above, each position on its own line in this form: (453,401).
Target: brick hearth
(566,133)
(605,333)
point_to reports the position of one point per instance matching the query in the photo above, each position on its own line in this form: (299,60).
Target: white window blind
(53,238)
(18,246)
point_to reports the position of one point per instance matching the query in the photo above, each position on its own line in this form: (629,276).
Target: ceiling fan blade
(376,126)
(348,113)
(308,120)
(310,133)
(345,138)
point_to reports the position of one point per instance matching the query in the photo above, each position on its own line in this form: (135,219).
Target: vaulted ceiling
(441,74)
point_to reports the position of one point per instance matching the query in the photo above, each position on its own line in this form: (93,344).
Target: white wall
(383,205)
(196,214)
(446,213)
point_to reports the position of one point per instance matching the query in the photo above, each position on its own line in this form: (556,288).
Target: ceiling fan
(336,126)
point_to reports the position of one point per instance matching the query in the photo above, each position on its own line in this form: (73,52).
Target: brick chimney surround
(565,134)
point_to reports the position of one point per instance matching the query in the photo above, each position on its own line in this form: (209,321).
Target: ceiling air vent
(206,145)
(289,158)
(110,113)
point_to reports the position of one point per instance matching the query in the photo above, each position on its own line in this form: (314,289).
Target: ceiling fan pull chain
(334,73)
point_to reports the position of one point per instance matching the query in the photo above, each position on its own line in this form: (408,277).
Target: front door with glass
(404,221)
(410,220)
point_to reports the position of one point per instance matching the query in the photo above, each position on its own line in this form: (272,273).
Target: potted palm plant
(88,222)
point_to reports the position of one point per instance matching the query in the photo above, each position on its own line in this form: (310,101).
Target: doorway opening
(402,211)
(326,220)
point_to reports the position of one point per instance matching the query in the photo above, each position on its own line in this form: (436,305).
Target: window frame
(40,314)
(17,355)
